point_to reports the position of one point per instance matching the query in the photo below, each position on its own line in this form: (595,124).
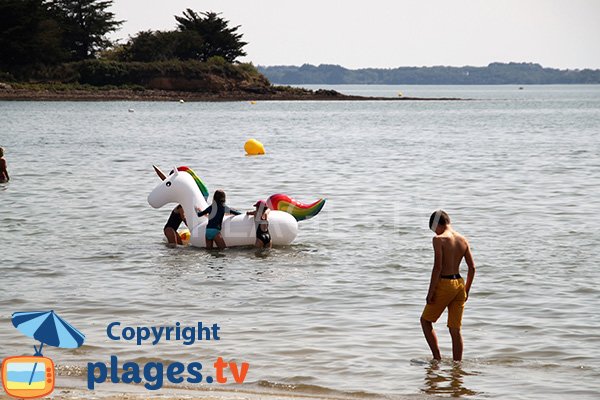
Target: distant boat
(520,87)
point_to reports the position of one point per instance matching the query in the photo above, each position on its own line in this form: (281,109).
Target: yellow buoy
(253,147)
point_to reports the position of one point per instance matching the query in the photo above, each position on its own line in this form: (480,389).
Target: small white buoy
(181,101)
(131,110)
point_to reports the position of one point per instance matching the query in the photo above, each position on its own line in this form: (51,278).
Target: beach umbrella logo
(29,377)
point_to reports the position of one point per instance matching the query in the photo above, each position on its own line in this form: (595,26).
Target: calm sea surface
(338,311)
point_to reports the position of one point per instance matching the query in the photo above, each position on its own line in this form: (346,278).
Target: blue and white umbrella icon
(48,328)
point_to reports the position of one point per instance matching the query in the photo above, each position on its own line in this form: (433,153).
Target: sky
(393,33)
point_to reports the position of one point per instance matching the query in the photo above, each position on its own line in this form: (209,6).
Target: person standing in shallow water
(3,171)
(216,211)
(176,217)
(447,288)
(261,221)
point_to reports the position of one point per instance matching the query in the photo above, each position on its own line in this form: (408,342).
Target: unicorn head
(182,186)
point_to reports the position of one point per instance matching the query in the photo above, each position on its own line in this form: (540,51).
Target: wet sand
(73,388)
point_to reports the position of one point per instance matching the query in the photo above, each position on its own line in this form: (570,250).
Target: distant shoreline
(493,74)
(7,93)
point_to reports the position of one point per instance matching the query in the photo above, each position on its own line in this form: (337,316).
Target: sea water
(338,311)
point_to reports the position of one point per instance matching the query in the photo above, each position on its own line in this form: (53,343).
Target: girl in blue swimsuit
(216,211)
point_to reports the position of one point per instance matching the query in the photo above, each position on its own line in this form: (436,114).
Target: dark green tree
(218,38)
(149,46)
(29,35)
(85,24)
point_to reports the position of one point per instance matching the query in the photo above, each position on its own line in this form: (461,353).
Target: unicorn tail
(300,211)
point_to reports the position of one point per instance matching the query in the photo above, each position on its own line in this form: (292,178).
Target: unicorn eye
(168,184)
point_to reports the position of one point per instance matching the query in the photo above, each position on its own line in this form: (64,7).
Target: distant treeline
(493,74)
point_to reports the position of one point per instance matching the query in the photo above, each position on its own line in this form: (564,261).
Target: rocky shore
(48,92)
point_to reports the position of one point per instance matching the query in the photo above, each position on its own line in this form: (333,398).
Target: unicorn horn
(160,174)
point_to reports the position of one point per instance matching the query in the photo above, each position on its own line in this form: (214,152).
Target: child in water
(216,211)
(3,171)
(447,288)
(261,213)
(175,219)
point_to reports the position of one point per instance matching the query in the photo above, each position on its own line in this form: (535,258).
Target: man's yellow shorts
(448,293)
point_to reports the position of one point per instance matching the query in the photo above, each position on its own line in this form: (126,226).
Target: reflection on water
(446,380)
(216,253)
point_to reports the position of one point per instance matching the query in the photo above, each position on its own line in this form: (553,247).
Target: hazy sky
(393,33)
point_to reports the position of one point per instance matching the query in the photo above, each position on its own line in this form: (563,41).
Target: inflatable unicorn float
(184,187)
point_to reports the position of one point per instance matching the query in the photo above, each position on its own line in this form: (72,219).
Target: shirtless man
(447,288)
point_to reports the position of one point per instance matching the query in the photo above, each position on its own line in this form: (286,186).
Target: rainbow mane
(199,182)
(300,211)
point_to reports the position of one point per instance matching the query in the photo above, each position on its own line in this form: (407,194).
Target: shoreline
(275,93)
(70,387)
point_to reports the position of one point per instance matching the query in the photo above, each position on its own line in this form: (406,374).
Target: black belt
(455,276)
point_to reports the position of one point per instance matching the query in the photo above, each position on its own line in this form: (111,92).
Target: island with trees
(58,49)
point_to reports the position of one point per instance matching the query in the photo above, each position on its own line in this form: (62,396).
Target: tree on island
(29,35)
(85,25)
(219,39)
(196,38)
(36,33)
(148,46)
